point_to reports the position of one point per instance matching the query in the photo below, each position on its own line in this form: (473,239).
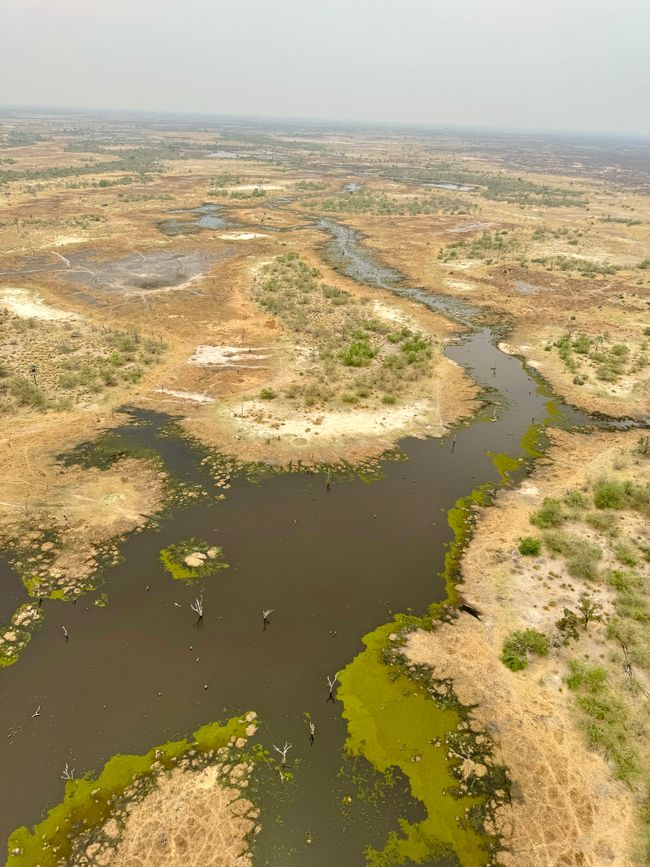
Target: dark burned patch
(135,272)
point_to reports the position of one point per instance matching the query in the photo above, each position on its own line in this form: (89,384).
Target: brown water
(334,564)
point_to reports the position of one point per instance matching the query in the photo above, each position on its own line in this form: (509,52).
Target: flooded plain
(333,564)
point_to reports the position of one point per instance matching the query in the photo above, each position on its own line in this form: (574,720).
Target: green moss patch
(394,722)
(207,559)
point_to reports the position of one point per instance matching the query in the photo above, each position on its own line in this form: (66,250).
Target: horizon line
(351,122)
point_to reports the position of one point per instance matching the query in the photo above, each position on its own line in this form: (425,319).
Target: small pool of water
(449,185)
(206,216)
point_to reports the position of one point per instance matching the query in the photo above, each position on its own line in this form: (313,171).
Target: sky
(561,65)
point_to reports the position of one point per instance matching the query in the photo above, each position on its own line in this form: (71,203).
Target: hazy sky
(538,64)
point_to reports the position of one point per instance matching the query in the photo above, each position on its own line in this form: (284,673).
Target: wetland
(261,526)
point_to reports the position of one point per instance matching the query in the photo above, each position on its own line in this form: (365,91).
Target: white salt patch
(22,302)
(227,356)
(186,395)
(241,236)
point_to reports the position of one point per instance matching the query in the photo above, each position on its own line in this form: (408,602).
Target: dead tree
(68,773)
(265,618)
(65,632)
(312,733)
(197,606)
(331,682)
(283,752)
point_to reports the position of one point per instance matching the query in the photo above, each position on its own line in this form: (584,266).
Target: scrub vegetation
(355,355)
(56,365)
(369,202)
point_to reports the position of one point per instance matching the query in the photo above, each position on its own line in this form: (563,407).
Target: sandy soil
(194,819)
(83,509)
(564,796)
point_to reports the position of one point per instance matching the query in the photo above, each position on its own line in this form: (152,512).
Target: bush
(609,495)
(520,645)
(577,500)
(268,394)
(581,554)
(529,546)
(358,354)
(551,514)
(389,399)
(604,522)
(567,626)
(26,393)
(625,554)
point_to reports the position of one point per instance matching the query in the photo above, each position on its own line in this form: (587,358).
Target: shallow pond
(206,216)
(448,185)
(333,564)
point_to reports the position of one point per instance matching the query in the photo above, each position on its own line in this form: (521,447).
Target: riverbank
(563,793)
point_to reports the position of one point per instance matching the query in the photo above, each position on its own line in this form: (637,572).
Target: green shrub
(582,344)
(605,720)
(67,380)
(609,494)
(268,394)
(529,546)
(550,514)
(358,354)
(389,399)
(625,554)
(567,626)
(605,373)
(581,555)
(26,393)
(604,522)
(519,645)
(577,500)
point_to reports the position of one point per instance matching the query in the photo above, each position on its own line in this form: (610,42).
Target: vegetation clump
(530,546)
(192,559)
(520,644)
(551,514)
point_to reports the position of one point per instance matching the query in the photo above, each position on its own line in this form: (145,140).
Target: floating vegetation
(192,559)
(400,718)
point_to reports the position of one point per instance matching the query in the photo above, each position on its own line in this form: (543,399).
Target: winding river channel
(334,564)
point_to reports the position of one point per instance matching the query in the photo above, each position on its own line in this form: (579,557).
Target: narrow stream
(333,564)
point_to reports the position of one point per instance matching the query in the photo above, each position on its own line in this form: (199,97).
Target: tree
(567,626)
(589,609)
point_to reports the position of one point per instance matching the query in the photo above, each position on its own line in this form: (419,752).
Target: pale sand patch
(256,419)
(23,302)
(467,227)
(460,285)
(226,356)
(250,187)
(186,395)
(241,236)
(64,240)
(190,819)
(391,314)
